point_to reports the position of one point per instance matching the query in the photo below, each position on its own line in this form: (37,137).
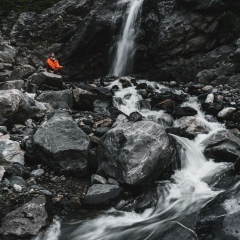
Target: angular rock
(183,111)
(101,194)
(16,84)
(97,179)
(62,144)
(43,79)
(57,99)
(22,72)
(134,153)
(27,220)
(226,112)
(16,107)
(223,146)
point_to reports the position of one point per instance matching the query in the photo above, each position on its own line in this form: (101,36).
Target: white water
(122,62)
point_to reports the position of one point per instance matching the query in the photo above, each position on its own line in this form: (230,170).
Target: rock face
(16,107)
(27,220)
(134,152)
(62,145)
(179,40)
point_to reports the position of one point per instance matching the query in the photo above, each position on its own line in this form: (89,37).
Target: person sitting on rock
(53,64)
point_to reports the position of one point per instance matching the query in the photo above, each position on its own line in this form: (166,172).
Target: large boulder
(223,146)
(133,153)
(27,220)
(62,144)
(45,79)
(16,107)
(57,99)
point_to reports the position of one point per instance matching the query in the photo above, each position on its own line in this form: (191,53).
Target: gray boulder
(27,220)
(134,153)
(43,79)
(16,107)
(10,153)
(22,72)
(101,193)
(16,84)
(62,144)
(57,99)
(223,146)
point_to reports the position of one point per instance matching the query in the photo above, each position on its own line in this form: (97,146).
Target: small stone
(17,188)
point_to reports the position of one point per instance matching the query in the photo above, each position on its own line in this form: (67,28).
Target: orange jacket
(54,64)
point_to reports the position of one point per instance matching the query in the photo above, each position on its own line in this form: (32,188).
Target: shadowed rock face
(134,152)
(181,40)
(62,145)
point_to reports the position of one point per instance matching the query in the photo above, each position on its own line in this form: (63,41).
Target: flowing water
(185,193)
(125,48)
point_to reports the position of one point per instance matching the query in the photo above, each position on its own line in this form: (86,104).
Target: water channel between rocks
(185,193)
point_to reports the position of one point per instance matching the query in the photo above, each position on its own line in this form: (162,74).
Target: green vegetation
(24,6)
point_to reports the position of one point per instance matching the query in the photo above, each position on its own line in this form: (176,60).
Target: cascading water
(187,191)
(122,62)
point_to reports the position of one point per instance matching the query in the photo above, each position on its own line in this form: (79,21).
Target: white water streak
(126,45)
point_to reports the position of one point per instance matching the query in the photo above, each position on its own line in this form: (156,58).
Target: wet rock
(27,220)
(226,113)
(144,104)
(183,111)
(219,219)
(101,194)
(57,99)
(213,108)
(62,144)
(101,107)
(181,132)
(10,152)
(135,116)
(223,146)
(191,125)
(134,153)
(168,105)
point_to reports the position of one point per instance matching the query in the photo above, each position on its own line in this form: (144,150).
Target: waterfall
(122,62)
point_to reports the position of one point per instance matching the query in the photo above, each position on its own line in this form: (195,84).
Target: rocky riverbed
(85,139)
